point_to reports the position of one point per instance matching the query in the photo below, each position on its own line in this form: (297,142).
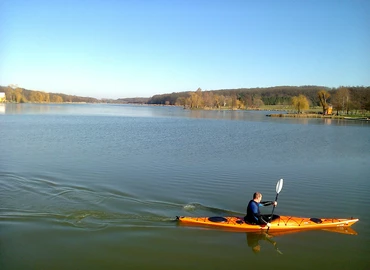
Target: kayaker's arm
(259,219)
(267,203)
(262,221)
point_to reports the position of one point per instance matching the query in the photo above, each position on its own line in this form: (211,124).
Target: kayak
(278,223)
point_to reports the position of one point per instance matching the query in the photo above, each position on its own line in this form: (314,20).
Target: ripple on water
(38,199)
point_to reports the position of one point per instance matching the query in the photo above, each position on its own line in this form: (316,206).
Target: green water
(99,187)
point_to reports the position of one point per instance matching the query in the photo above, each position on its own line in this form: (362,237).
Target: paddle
(279,187)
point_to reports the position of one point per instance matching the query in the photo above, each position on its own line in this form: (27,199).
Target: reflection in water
(224,114)
(327,121)
(127,110)
(254,238)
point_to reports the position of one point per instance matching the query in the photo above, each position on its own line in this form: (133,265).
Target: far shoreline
(284,112)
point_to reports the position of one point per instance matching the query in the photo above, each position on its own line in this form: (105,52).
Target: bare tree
(323,98)
(341,100)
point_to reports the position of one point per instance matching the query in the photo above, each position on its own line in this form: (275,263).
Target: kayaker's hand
(275,203)
(268,225)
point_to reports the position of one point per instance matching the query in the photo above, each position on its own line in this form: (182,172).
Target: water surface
(99,186)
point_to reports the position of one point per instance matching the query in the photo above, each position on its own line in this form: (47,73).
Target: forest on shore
(20,95)
(349,98)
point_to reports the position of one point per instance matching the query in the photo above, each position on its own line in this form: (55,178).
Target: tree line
(341,99)
(300,97)
(21,95)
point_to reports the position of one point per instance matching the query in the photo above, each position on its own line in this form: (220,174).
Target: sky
(119,49)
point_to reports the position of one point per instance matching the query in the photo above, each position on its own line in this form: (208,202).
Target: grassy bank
(315,115)
(314,112)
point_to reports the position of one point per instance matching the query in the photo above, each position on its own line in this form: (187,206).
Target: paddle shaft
(273,208)
(279,187)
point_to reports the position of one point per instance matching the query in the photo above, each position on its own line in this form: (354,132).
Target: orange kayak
(278,223)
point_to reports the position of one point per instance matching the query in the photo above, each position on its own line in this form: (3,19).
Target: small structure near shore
(2,97)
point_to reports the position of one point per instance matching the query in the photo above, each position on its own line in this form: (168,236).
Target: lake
(96,186)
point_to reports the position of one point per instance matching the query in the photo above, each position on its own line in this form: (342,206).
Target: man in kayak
(253,211)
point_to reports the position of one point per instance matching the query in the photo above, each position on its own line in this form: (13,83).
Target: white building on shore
(2,97)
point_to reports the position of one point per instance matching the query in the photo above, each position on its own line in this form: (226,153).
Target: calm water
(99,186)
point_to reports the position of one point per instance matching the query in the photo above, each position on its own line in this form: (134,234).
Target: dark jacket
(253,212)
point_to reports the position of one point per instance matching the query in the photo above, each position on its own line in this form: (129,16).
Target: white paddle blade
(279,186)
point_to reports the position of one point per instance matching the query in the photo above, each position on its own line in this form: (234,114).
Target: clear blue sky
(131,48)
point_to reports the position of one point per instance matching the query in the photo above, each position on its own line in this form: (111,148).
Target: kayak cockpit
(316,220)
(217,219)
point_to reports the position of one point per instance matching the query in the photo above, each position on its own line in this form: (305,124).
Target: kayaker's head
(257,197)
